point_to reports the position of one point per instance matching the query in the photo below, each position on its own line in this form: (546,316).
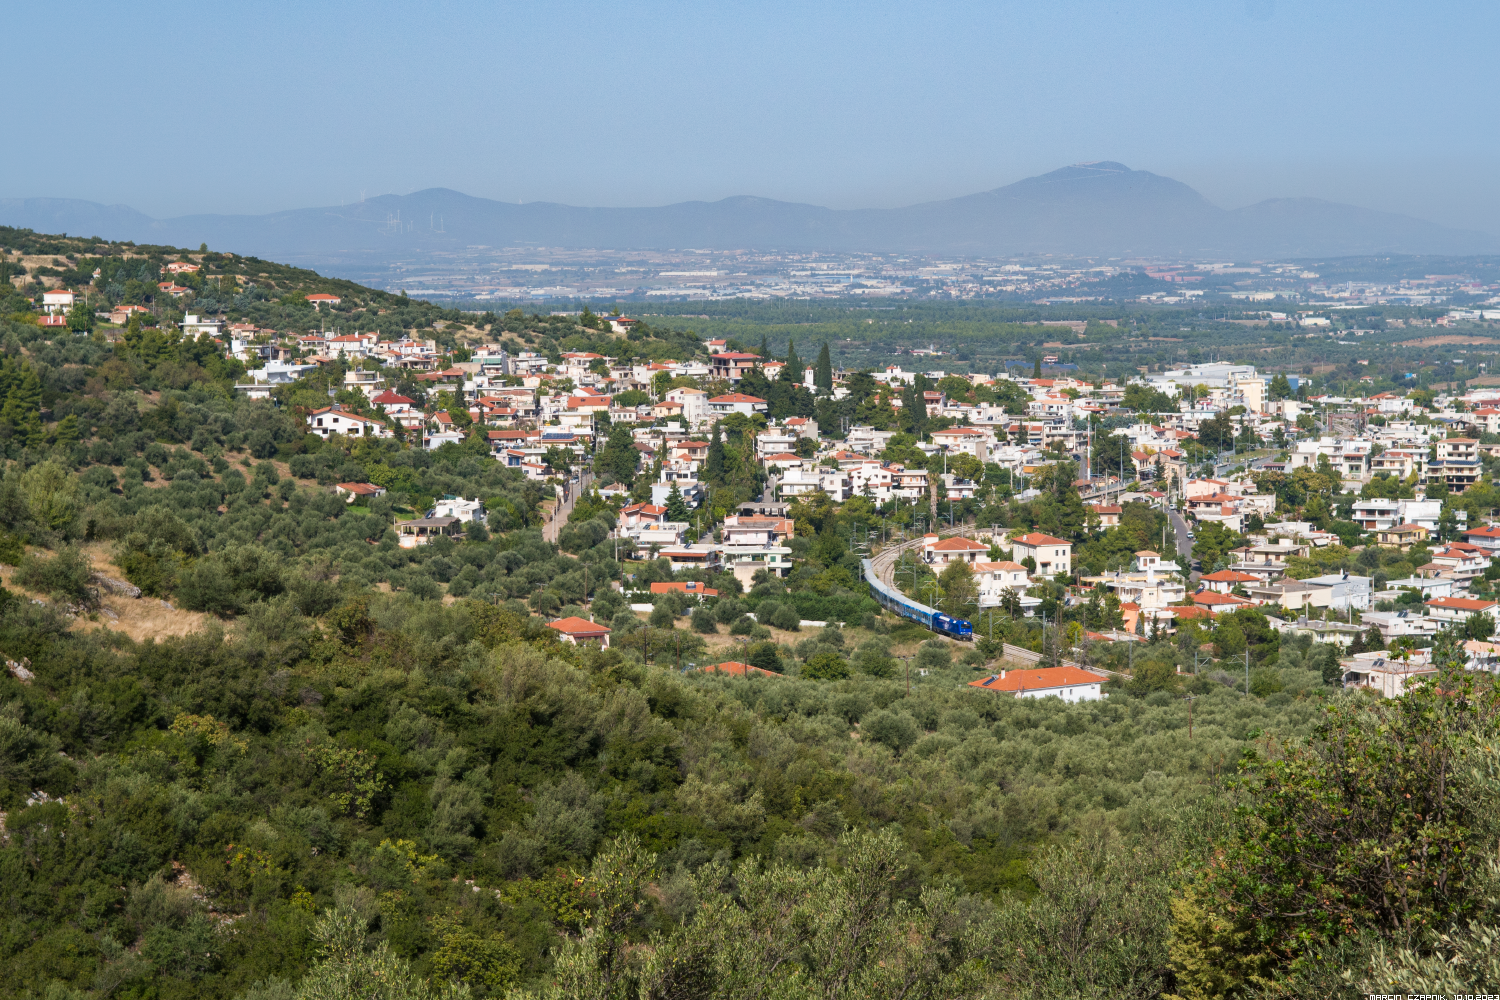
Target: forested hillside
(308,762)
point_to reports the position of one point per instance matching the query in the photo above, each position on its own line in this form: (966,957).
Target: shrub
(896,730)
(785,618)
(662,616)
(743,625)
(226,582)
(314,598)
(424,588)
(11,549)
(765,656)
(703,621)
(766,610)
(728,611)
(607,603)
(67,574)
(934,654)
(826,665)
(1265,681)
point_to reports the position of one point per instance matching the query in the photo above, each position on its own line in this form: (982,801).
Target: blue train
(930,618)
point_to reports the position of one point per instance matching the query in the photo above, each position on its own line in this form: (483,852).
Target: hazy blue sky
(179,108)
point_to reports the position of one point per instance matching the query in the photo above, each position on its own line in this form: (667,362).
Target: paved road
(1184,544)
(553,528)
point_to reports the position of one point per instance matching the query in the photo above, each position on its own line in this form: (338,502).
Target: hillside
(307,761)
(1094,209)
(238,287)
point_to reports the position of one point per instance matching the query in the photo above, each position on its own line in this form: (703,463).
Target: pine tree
(713,466)
(823,373)
(677,508)
(67,430)
(792,372)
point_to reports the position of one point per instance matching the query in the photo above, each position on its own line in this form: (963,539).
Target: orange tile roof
(1037,538)
(1231,576)
(1038,679)
(959,545)
(738,669)
(1460,604)
(579,626)
(1210,597)
(683,587)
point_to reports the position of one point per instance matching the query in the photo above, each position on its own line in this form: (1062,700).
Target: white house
(694,403)
(1456,609)
(736,402)
(359,491)
(1068,683)
(995,578)
(57,300)
(465,511)
(336,420)
(194,325)
(1052,555)
(942,551)
(354,345)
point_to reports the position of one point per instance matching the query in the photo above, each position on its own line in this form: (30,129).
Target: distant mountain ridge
(1100,209)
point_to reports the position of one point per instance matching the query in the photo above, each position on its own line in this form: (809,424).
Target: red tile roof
(736,397)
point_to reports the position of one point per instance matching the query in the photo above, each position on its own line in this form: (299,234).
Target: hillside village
(1229,448)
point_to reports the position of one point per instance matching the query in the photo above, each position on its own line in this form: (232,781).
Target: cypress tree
(713,466)
(1036,368)
(793,371)
(765,348)
(823,373)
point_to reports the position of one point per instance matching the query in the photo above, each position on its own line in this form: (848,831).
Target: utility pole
(1247,670)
